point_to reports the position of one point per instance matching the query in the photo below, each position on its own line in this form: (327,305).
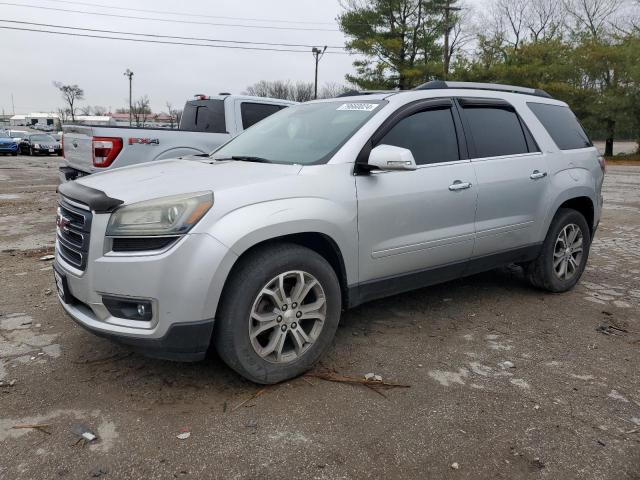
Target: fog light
(129,309)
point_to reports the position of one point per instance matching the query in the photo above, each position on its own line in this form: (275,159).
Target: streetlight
(129,74)
(318,54)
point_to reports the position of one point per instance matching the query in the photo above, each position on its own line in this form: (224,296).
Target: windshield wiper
(247,158)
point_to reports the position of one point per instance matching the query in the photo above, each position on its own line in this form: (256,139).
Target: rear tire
(564,253)
(264,341)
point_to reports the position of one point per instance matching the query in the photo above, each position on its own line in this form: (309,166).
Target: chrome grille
(73,228)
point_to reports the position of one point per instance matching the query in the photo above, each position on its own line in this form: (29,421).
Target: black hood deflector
(96,200)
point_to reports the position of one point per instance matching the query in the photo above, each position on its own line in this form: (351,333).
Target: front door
(412,222)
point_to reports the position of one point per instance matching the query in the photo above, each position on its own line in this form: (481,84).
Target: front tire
(279,312)
(564,253)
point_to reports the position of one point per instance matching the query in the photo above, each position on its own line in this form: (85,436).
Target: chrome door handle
(537,174)
(458,185)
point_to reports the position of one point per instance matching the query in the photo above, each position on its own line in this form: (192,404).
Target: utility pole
(318,54)
(129,74)
(448,8)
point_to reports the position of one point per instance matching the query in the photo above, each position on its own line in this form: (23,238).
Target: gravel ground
(567,406)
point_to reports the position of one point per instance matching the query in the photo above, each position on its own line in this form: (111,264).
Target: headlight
(173,215)
(36,145)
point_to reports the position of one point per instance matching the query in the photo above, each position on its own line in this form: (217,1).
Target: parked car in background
(257,248)
(18,135)
(40,144)
(206,123)
(7,144)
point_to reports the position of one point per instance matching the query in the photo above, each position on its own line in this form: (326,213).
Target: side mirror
(388,157)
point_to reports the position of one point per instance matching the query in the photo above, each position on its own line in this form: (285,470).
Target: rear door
(512,176)
(416,221)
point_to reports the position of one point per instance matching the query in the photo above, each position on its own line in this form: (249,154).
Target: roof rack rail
(439,84)
(355,93)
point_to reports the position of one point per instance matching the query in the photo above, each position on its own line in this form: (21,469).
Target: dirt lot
(568,408)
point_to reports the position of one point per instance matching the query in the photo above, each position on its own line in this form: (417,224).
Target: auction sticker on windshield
(358,107)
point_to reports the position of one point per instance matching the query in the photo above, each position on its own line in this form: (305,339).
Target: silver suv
(257,248)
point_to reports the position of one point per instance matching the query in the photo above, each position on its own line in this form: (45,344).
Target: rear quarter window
(562,125)
(252,113)
(204,116)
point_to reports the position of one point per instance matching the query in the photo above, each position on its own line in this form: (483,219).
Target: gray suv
(257,248)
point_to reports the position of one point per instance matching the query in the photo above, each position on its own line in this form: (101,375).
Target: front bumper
(183,284)
(47,150)
(183,342)
(8,149)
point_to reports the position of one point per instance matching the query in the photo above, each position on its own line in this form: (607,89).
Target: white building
(18,120)
(39,118)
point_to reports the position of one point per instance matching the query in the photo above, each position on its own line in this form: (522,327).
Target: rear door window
(204,116)
(562,125)
(252,113)
(495,131)
(430,135)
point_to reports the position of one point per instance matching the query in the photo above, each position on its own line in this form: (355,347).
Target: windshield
(304,134)
(15,134)
(41,138)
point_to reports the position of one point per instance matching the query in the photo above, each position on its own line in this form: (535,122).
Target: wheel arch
(319,242)
(585,206)
(580,199)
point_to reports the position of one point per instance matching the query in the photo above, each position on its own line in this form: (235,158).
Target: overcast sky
(164,72)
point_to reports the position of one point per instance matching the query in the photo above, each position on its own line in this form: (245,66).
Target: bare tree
(301,91)
(544,19)
(99,110)
(513,14)
(174,115)
(460,36)
(85,110)
(274,89)
(140,110)
(70,93)
(63,114)
(332,90)
(593,16)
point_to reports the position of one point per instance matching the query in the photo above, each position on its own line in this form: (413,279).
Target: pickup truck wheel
(279,312)
(564,253)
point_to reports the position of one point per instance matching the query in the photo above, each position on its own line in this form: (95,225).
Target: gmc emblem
(63,223)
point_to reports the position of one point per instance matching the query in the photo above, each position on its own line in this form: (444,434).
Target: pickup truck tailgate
(78,148)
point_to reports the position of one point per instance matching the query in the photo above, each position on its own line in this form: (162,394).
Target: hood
(172,177)
(7,140)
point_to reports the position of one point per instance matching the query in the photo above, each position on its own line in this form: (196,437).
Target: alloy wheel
(287,317)
(567,253)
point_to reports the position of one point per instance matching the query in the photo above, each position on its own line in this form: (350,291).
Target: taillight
(105,150)
(603,163)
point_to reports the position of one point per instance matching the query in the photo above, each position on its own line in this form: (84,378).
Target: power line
(139,40)
(166,12)
(166,20)
(202,39)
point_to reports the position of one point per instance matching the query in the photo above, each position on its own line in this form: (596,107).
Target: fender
(243,228)
(571,183)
